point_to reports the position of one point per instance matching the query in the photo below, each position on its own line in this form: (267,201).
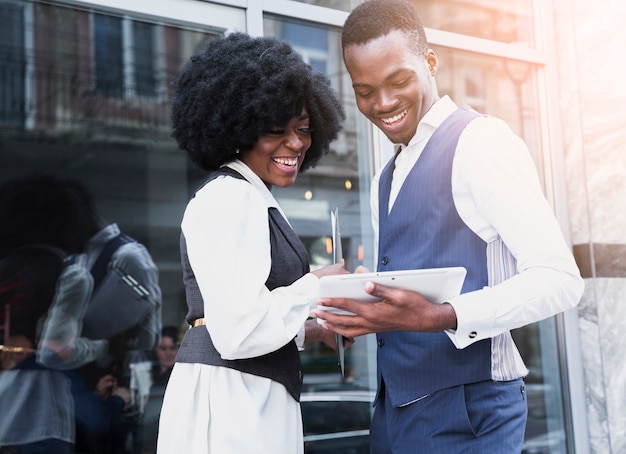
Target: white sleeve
(226,228)
(60,345)
(497,193)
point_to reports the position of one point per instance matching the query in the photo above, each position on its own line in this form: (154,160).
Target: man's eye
(401,83)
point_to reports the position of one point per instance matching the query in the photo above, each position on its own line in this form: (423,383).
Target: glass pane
(508,89)
(545,427)
(144,59)
(341,180)
(109,59)
(343,5)
(508,21)
(504,88)
(12,66)
(121,148)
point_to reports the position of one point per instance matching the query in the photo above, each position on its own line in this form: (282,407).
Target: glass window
(125,57)
(78,67)
(109,60)
(144,58)
(508,21)
(12,65)
(504,88)
(342,181)
(343,5)
(84,93)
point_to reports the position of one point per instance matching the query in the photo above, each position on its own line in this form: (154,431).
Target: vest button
(473,334)
(385,260)
(381,342)
(300,375)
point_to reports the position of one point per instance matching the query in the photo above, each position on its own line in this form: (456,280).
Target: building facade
(84,92)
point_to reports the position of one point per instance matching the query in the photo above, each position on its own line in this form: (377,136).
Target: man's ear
(431,59)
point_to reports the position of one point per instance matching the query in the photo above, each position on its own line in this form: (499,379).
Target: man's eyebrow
(391,76)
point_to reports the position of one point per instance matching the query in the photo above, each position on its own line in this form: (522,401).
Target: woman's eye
(305,130)
(276,132)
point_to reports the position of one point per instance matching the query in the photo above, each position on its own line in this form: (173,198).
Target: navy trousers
(480,418)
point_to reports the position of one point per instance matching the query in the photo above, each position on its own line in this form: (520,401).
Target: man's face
(394,87)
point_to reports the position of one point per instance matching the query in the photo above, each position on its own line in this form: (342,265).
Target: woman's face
(278,155)
(166,352)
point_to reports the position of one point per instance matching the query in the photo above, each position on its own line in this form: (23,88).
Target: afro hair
(238,88)
(375,18)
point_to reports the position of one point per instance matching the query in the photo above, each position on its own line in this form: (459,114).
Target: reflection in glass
(85,93)
(508,21)
(343,5)
(504,88)
(507,89)
(341,180)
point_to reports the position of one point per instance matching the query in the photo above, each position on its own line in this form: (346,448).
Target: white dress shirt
(227,233)
(497,193)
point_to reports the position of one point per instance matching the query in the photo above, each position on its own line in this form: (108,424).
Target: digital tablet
(435,284)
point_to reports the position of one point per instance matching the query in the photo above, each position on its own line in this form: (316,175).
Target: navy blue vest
(290,261)
(424,230)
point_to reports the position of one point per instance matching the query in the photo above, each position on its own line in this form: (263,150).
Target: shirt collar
(437,113)
(254,180)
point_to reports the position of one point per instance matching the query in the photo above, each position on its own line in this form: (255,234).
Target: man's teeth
(394,118)
(292,162)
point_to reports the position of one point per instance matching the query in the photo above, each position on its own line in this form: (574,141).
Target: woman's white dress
(210,409)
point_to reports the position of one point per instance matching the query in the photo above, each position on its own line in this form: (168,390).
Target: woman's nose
(294,141)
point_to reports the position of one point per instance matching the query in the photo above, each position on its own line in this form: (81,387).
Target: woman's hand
(313,331)
(330,270)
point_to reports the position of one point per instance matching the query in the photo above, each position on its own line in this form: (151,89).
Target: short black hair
(45,209)
(237,88)
(375,18)
(171,331)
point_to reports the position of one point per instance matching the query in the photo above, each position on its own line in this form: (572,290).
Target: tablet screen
(435,284)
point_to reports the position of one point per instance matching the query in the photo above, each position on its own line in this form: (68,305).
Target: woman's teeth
(290,162)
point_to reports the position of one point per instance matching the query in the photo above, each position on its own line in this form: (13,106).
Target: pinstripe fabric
(506,361)
(429,235)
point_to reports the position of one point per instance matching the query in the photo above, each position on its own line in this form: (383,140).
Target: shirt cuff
(300,339)
(470,320)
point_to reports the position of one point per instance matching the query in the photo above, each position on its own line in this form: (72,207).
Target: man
(461,190)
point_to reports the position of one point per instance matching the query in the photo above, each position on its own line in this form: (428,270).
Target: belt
(197,322)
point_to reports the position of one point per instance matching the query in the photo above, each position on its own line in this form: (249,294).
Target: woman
(253,112)
(165,354)
(164,357)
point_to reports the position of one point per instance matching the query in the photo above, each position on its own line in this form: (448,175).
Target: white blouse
(215,409)
(497,193)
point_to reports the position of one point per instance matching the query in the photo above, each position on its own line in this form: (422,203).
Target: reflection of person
(252,111)
(164,358)
(461,190)
(165,353)
(127,296)
(46,298)
(15,350)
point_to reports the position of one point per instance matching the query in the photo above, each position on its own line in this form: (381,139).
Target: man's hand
(398,310)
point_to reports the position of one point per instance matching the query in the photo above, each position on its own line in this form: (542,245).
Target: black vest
(290,261)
